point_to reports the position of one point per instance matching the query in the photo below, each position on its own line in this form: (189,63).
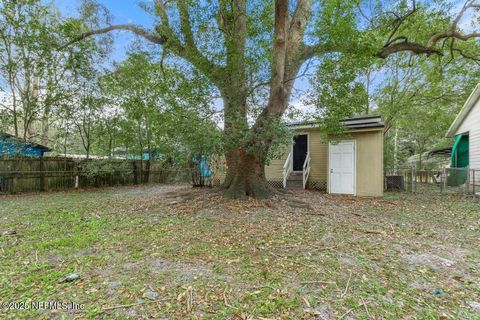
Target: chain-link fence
(444,180)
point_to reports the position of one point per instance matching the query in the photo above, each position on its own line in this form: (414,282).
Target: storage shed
(353,166)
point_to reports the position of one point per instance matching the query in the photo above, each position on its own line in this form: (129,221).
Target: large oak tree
(242,45)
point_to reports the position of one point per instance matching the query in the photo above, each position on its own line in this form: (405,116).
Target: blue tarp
(203,165)
(10,148)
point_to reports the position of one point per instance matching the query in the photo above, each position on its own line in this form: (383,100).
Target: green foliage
(165,108)
(162,100)
(275,132)
(422,100)
(92,169)
(338,91)
(52,96)
(417,96)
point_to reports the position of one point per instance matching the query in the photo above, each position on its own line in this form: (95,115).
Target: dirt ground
(172,252)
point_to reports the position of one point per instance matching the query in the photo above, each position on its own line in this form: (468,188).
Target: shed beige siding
(318,160)
(274,170)
(318,166)
(369,163)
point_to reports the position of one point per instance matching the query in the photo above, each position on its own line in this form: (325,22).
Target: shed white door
(342,167)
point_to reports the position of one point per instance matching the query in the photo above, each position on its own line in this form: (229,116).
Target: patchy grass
(159,251)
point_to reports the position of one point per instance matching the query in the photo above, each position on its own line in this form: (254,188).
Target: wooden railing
(287,168)
(306,170)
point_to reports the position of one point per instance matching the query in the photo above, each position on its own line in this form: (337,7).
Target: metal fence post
(467,182)
(473,186)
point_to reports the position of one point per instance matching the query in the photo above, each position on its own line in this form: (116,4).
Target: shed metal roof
(354,123)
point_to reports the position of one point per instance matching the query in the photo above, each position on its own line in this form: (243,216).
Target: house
(11,146)
(74,156)
(466,131)
(353,166)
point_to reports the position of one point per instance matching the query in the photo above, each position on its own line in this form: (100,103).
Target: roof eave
(376,127)
(472,99)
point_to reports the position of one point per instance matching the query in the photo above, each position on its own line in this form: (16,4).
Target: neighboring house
(466,131)
(353,166)
(11,146)
(123,153)
(74,156)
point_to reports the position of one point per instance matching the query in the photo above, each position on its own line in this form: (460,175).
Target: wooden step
(294,188)
(294,184)
(294,176)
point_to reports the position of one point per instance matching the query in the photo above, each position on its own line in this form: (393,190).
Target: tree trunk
(45,125)
(45,129)
(246,157)
(395,151)
(245,176)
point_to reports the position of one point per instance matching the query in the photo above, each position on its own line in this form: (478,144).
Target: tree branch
(190,51)
(296,32)
(165,36)
(185,25)
(451,34)
(392,46)
(128,27)
(399,21)
(277,89)
(288,52)
(309,51)
(413,47)
(469,4)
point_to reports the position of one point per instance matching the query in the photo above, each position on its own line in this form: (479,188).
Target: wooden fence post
(14,183)
(135,172)
(441,182)
(414,178)
(445,180)
(42,175)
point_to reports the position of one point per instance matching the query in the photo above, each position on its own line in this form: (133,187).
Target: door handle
(331,170)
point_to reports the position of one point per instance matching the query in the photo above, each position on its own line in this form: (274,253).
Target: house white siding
(471,124)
